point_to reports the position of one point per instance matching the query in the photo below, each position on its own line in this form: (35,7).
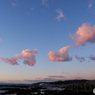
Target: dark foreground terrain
(70,87)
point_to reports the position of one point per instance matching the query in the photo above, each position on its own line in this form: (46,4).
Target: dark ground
(72,87)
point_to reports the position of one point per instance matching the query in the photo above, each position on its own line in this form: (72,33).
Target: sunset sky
(47,40)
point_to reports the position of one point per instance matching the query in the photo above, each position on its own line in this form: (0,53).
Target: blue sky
(33,24)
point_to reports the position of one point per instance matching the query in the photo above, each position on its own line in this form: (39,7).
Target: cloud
(61,55)
(92,57)
(90,5)
(81,59)
(27,55)
(1,40)
(64,73)
(61,15)
(54,78)
(44,2)
(12,60)
(75,76)
(13,4)
(32,9)
(57,77)
(85,33)
(47,79)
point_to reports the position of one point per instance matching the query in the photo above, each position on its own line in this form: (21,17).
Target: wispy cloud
(75,76)
(84,34)
(57,77)
(61,55)
(13,4)
(27,55)
(44,2)
(61,15)
(1,40)
(81,59)
(90,5)
(32,9)
(64,73)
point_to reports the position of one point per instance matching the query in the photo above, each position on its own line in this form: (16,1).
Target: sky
(47,40)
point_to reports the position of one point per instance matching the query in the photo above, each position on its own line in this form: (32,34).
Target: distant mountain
(1,83)
(55,82)
(64,82)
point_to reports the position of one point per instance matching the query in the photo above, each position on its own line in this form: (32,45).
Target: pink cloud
(85,33)
(12,60)
(61,15)
(61,55)
(13,4)
(90,5)
(27,55)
